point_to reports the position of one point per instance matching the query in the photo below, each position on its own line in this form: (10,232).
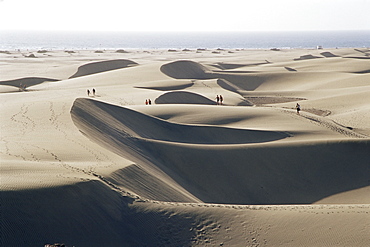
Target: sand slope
(108,170)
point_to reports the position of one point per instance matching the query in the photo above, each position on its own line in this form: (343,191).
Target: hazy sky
(185,15)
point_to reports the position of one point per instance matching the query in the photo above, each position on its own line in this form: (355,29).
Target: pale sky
(185,15)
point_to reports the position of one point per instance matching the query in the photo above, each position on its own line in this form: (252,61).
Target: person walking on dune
(298,107)
(217,99)
(88,92)
(94,91)
(221,99)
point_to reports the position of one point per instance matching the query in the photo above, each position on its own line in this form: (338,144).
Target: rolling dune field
(106,169)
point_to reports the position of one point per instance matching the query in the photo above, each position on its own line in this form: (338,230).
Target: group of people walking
(93,92)
(219,99)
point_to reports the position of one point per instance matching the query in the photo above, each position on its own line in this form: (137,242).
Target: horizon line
(185,31)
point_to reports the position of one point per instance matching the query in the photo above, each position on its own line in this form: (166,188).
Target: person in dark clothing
(298,107)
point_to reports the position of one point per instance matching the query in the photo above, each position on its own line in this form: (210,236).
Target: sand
(106,169)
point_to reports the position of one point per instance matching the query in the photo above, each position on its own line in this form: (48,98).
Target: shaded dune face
(183,98)
(221,165)
(299,173)
(27,81)
(98,67)
(185,69)
(167,85)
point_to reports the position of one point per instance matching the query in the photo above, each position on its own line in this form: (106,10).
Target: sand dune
(125,120)
(109,219)
(328,159)
(26,82)
(168,85)
(328,54)
(97,67)
(108,170)
(304,57)
(185,70)
(193,70)
(183,98)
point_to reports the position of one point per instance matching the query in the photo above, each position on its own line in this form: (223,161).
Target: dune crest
(125,123)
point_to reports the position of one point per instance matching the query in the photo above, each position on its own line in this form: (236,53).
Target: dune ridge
(125,121)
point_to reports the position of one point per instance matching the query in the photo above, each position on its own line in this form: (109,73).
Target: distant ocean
(57,40)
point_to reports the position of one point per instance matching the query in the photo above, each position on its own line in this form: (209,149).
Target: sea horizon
(109,40)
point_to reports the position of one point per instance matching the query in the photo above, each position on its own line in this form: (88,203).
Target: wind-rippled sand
(106,169)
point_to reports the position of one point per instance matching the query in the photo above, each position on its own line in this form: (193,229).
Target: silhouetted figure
(94,91)
(150,102)
(217,99)
(146,101)
(298,107)
(88,92)
(221,99)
